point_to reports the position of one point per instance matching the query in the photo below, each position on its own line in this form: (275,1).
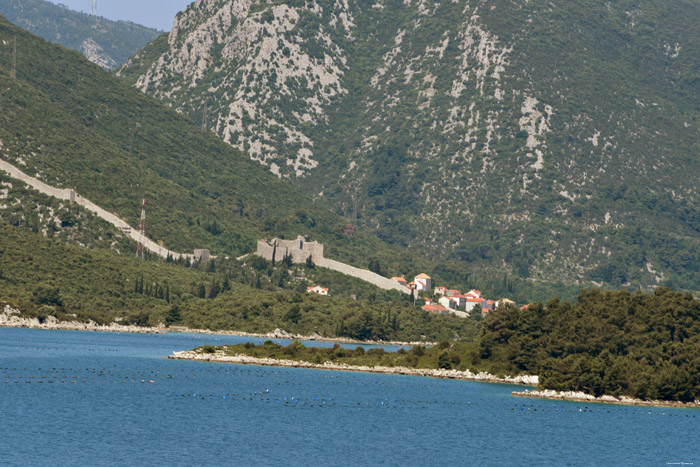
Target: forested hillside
(104,42)
(549,141)
(71,124)
(617,343)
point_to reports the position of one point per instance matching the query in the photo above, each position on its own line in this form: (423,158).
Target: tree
(201,291)
(310,263)
(173,316)
(47,295)
(214,289)
(375,266)
(294,314)
(444,362)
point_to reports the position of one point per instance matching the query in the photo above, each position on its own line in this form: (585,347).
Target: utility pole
(93,11)
(141,248)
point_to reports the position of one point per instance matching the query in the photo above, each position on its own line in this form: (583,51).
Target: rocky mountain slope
(72,125)
(105,43)
(556,142)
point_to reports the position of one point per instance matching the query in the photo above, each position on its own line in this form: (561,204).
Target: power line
(141,248)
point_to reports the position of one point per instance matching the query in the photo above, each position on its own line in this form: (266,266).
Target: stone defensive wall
(300,250)
(71,195)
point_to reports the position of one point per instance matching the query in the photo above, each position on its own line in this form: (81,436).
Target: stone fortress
(300,250)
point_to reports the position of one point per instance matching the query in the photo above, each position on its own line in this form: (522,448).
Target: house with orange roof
(400,280)
(436,309)
(448,303)
(317,289)
(453,292)
(475,293)
(460,299)
(440,290)
(472,303)
(423,282)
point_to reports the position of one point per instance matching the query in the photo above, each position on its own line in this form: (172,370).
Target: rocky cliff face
(544,140)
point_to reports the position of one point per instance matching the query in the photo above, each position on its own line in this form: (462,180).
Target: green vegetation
(53,276)
(71,124)
(443,356)
(426,146)
(616,343)
(111,43)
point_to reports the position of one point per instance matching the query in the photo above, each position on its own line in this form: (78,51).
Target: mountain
(105,43)
(548,142)
(71,124)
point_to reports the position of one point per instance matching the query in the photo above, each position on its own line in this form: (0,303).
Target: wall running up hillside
(71,195)
(300,250)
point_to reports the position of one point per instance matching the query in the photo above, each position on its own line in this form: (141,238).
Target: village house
(317,289)
(473,303)
(505,302)
(447,302)
(460,299)
(453,301)
(436,309)
(475,294)
(423,282)
(400,280)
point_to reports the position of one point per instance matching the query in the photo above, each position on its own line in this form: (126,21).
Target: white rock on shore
(578,396)
(12,318)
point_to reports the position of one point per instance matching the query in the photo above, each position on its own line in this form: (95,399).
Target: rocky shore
(427,372)
(604,399)
(12,318)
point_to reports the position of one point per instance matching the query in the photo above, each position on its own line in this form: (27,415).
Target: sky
(157,14)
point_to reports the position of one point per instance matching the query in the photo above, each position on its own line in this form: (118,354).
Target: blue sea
(70,398)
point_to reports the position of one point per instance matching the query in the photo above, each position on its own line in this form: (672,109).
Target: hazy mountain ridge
(549,140)
(104,42)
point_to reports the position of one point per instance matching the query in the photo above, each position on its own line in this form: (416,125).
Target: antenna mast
(140,248)
(93,11)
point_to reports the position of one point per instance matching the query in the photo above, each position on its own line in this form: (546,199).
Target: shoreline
(572,396)
(11,318)
(467,375)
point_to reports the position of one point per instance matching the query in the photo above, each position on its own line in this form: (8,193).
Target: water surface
(82,398)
